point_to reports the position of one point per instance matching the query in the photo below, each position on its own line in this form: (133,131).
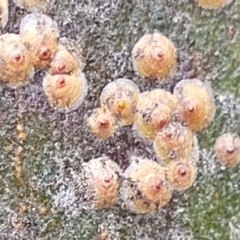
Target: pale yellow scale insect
(40,34)
(65,92)
(213,4)
(154,56)
(145,187)
(68,59)
(196,104)
(121,97)
(173,142)
(227,149)
(182,173)
(4,13)
(102,181)
(16,68)
(102,123)
(33,5)
(154,111)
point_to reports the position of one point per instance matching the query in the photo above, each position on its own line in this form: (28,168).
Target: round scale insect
(68,58)
(196,105)
(213,4)
(4,13)
(154,111)
(16,67)
(65,92)
(145,187)
(102,181)
(33,5)
(121,97)
(182,174)
(40,34)
(227,149)
(172,142)
(102,123)
(154,56)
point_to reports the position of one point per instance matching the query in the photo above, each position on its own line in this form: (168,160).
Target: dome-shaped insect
(196,105)
(40,34)
(145,187)
(182,173)
(102,123)
(121,97)
(65,92)
(4,13)
(172,142)
(102,181)
(68,58)
(33,5)
(154,56)
(213,4)
(16,68)
(154,111)
(227,149)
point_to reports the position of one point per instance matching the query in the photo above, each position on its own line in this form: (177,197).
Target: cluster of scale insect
(39,46)
(153,56)
(169,120)
(118,120)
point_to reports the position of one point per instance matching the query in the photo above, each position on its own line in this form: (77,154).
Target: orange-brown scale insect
(103,181)
(16,67)
(213,4)
(65,92)
(40,35)
(172,142)
(146,187)
(196,105)
(121,97)
(182,173)
(154,111)
(102,123)
(68,58)
(227,149)
(154,56)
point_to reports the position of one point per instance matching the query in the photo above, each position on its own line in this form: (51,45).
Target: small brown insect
(231,31)
(154,111)
(174,141)
(16,67)
(121,97)
(196,105)
(213,4)
(33,5)
(22,135)
(103,232)
(227,149)
(103,181)
(19,225)
(102,123)
(65,92)
(18,164)
(154,56)
(68,58)
(146,187)
(40,35)
(4,13)
(182,174)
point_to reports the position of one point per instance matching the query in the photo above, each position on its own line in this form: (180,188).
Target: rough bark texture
(40,173)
